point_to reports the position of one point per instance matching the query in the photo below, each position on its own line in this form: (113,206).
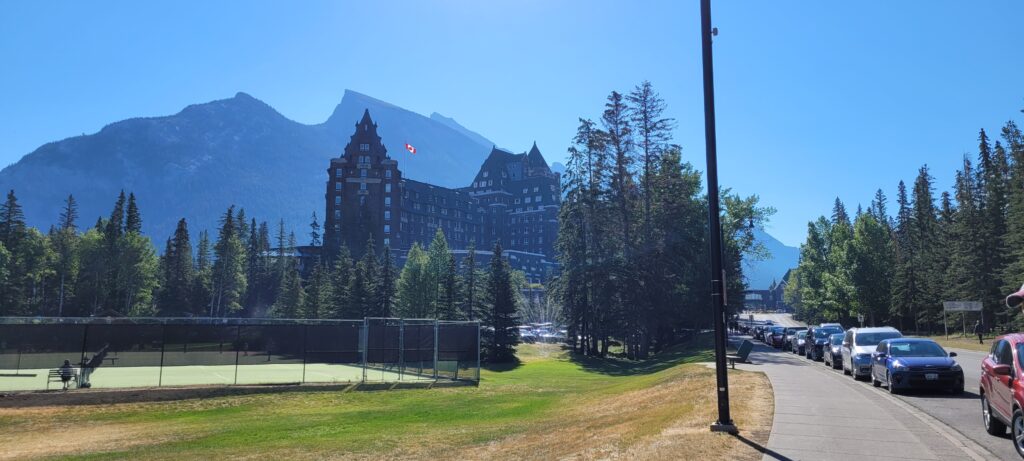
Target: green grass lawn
(968,342)
(545,407)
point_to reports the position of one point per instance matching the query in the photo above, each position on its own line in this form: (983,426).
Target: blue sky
(815,99)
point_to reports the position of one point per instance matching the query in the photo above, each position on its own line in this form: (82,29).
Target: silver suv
(858,344)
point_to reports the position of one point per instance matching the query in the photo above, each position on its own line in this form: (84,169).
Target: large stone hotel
(513,199)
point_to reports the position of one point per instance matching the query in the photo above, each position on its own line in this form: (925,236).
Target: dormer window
(364,147)
(486,173)
(387,173)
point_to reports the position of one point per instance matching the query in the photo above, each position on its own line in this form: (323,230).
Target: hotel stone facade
(514,199)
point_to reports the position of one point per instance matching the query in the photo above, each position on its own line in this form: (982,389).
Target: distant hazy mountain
(760,274)
(196,163)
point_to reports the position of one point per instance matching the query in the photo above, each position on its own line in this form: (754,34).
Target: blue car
(915,363)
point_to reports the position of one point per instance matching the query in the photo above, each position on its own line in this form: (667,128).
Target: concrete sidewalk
(821,414)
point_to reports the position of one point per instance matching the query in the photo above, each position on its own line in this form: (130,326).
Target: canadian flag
(408,147)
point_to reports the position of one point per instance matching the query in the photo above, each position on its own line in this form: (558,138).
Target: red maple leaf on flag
(408,147)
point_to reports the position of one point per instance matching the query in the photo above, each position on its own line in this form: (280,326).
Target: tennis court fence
(154,352)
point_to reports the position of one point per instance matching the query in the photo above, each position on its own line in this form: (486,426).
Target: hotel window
(364,147)
(337,186)
(527,200)
(387,241)
(362,200)
(387,187)
(387,173)
(387,228)
(362,186)
(536,199)
(526,189)
(387,215)
(362,172)
(535,189)
(337,200)
(486,173)
(517,201)
(387,201)
(337,173)
(490,182)
(337,214)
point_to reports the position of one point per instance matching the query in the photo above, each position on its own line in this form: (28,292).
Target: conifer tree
(115,225)
(363,288)
(202,286)
(388,284)
(1013,273)
(291,295)
(317,294)
(229,269)
(133,220)
(175,296)
(314,232)
(502,316)
(653,132)
(12,222)
(414,286)
(441,292)
(341,278)
(470,285)
(65,244)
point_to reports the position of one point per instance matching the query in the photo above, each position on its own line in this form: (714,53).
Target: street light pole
(724,423)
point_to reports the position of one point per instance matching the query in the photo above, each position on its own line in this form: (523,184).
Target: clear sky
(815,99)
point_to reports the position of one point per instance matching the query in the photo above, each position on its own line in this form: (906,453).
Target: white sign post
(962,307)
(860,318)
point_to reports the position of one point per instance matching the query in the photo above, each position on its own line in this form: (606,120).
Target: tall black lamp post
(724,423)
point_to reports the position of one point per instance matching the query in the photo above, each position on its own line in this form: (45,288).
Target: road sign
(961,306)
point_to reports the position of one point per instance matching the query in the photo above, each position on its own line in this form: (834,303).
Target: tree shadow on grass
(697,349)
(503,367)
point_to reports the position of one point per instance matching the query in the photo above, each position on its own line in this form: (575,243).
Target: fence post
(478,353)
(238,340)
(163,345)
(401,348)
(85,340)
(305,346)
(366,344)
(435,349)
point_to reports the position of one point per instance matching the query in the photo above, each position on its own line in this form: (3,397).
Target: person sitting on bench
(90,365)
(66,372)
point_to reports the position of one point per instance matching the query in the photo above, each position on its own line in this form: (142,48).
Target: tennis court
(137,353)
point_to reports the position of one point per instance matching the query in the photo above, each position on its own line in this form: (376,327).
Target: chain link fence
(155,352)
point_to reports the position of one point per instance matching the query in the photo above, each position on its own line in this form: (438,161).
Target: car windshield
(823,333)
(778,330)
(792,330)
(801,334)
(836,339)
(916,349)
(872,339)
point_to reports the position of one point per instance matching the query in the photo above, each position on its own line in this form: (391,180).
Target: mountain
(240,151)
(761,274)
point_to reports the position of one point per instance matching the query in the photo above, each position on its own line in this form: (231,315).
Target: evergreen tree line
(633,232)
(111,269)
(898,269)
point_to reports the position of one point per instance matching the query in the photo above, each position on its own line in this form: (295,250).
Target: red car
(1002,394)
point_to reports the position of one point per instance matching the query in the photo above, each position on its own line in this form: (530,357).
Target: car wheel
(1018,432)
(888,380)
(992,424)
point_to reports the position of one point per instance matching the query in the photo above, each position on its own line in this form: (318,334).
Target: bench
(741,353)
(55,377)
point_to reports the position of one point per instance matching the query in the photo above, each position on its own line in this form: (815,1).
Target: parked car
(859,344)
(833,353)
(787,339)
(1002,393)
(915,363)
(798,343)
(818,338)
(775,337)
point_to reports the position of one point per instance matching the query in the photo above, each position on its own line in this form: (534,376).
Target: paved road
(817,393)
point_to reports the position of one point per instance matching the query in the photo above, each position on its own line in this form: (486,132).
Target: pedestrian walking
(979,330)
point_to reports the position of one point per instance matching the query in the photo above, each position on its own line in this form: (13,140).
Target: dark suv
(817,340)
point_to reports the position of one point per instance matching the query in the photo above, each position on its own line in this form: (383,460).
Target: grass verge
(961,342)
(552,406)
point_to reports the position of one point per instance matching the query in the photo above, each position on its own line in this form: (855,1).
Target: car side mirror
(952,354)
(1001,370)
(880,355)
